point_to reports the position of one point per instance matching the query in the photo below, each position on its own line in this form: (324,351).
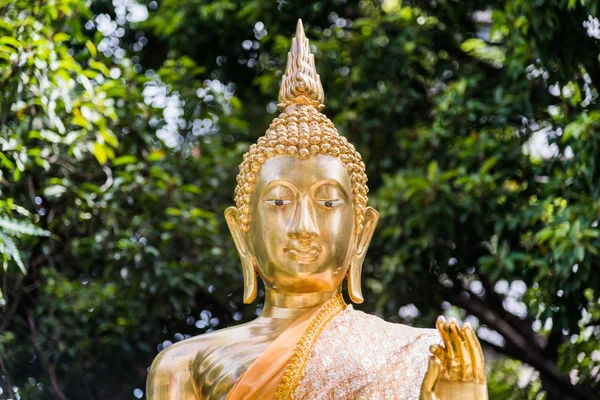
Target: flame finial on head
(301,84)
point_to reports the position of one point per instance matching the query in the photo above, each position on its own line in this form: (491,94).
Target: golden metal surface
(301,84)
(300,223)
(300,131)
(457,370)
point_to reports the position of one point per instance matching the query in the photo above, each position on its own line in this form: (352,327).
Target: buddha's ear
(365,236)
(234,222)
(358,257)
(240,238)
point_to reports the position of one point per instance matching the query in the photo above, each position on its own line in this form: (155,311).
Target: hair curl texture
(301,132)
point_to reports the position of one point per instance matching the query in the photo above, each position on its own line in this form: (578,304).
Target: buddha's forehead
(303,173)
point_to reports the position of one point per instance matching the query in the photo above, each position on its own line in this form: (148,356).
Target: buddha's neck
(292,305)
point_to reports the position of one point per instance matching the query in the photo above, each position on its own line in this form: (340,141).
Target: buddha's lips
(303,253)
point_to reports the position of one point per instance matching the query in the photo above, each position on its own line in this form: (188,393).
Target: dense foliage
(122,123)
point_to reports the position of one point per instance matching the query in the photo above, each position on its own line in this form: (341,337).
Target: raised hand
(456,370)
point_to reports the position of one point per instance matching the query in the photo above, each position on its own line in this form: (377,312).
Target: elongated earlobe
(250,281)
(362,244)
(354,284)
(234,222)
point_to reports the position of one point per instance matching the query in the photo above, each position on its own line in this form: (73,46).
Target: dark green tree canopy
(122,125)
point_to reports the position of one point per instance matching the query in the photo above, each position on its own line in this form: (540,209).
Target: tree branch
(11,394)
(522,326)
(14,304)
(44,358)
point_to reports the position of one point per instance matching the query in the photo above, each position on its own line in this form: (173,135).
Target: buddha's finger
(454,361)
(476,353)
(438,351)
(464,355)
(432,376)
(440,324)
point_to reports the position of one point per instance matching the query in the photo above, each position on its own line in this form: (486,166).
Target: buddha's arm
(457,370)
(169,378)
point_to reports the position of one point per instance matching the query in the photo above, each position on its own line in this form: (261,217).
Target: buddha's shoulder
(172,370)
(362,355)
(372,328)
(179,357)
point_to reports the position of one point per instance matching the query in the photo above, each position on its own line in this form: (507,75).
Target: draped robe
(336,352)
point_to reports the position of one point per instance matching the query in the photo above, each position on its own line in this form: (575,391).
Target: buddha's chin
(298,270)
(308,278)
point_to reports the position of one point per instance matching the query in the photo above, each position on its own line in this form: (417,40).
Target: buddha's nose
(304,227)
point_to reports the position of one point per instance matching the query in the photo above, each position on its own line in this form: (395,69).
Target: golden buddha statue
(301,222)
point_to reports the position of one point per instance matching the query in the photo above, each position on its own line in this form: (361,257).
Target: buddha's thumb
(431,378)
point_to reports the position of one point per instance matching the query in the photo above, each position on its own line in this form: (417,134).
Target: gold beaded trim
(297,362)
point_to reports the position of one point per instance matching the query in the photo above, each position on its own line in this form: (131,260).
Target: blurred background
(122,123)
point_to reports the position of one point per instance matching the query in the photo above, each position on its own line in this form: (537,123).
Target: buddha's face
(302,230)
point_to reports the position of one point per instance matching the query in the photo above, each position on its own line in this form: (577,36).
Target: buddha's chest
(216,370)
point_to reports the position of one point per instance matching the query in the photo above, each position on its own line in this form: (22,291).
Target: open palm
(456,370)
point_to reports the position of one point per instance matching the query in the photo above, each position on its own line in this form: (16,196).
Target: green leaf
(79,120)
(156,155)
(50,136)
(544,235)
(200,213)
(12,251)
(175,212)
(90,46)
(99,151)
(192,189)
(20,227)
(110,138)
(432,171)
(54,191)
(488,164)
(10,41)
(580,253)
(99,67)
(124,160)
(7,49)
(60,37)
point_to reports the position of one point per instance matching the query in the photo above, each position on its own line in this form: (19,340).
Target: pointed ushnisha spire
(301,84)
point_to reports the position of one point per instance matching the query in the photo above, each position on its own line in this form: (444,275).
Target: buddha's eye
(330,203)
(278,202)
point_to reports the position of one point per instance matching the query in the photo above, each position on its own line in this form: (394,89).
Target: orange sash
(277,371)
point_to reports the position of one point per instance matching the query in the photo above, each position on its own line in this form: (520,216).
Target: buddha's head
(301,219)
